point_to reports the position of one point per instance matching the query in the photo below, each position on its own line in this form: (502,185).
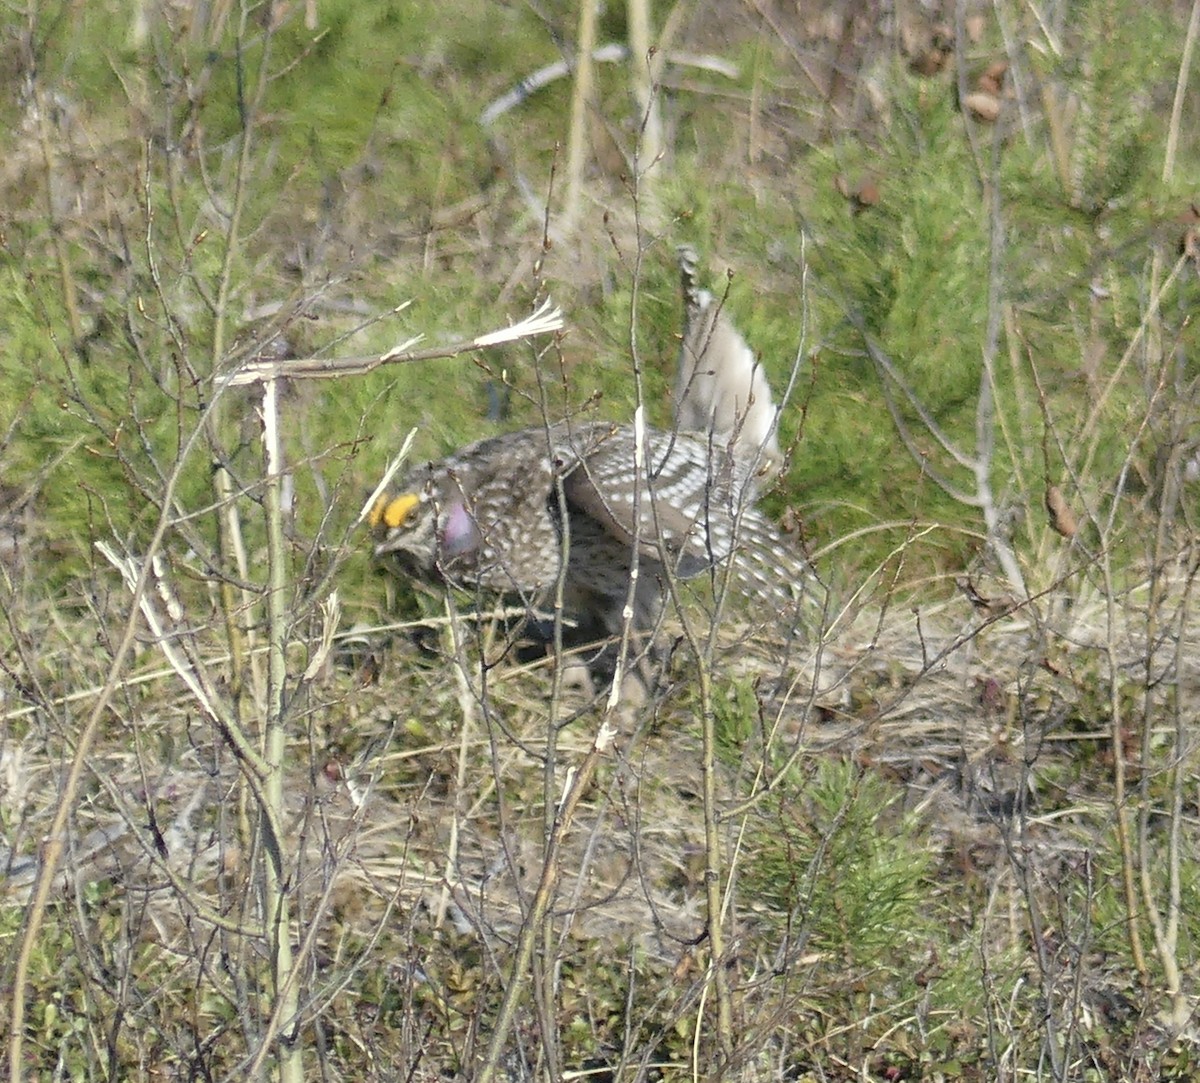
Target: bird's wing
(675,509)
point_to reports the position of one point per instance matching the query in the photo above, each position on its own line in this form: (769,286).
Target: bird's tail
(721,389)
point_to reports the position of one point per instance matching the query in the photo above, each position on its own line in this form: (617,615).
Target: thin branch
(276,886)
(578,142)
(578,782)
(612,53)
(546,319)
(888,367)
(1185,65)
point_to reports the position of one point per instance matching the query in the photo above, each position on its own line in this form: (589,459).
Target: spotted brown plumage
(509,514)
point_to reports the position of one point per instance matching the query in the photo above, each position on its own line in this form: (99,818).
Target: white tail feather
(721,389)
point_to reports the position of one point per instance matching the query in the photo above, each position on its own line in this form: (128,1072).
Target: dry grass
(415,823)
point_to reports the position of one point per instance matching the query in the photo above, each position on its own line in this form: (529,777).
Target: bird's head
(426,536)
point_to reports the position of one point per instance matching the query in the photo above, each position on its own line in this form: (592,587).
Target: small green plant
(847,865)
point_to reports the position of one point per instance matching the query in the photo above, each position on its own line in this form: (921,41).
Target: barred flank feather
(769,568)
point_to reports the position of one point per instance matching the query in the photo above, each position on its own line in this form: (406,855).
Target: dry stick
(612,53)
(1179,777)
(985,416)
(228,528)
(577,784)
(1185,64)
(285,995)
(277,926)
(644,68)
(544,319)
(314,926)
(712,874)
(1116,739)
(1166,937)
(545,981)
(581,96)
(712,836)
(1116,735)
(716,977)
(466,703)
(1120,806)
(1018,856)
(1076,1017)
(713,863)
(1120,810)
(716,900)
(546,999)
(714,867)
(61,254)
(1165,934)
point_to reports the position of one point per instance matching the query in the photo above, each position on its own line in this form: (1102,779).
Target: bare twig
(544,320)
(276,871)
(577,784)
(1181,82)
(612,53)
(578,143)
